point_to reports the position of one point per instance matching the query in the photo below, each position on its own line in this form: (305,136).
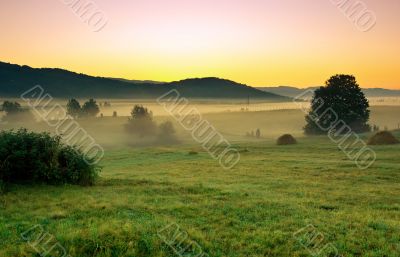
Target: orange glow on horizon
(255,42)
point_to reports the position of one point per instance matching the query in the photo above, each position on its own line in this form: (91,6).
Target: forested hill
(16,79)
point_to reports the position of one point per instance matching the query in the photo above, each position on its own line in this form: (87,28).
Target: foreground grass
(251,210)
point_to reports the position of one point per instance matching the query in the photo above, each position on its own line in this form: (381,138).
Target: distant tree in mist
(340,100)
(90,108)
(11,108)
(141,122)
(140,112)
(15,112)
(74,108)
(167,133)
(375,128)
(258,133)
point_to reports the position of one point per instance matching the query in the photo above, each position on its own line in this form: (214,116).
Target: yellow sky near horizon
(255,42)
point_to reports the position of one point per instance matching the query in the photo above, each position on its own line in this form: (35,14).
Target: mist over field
(232,118)
(228,128)
(150,189)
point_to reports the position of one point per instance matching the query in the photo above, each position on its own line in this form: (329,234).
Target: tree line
(341,100)
(88,109)
(14,111)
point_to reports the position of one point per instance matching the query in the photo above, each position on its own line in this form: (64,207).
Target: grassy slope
(252,210)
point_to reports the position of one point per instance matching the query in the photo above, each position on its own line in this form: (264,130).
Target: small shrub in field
(166,133)
(286,139)
(28,157)
(383,138)
(193,152)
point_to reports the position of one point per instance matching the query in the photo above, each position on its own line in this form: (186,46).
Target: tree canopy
(89,108)
(74,108)
(15,112)
(11,107)
(341,99)
(141,122)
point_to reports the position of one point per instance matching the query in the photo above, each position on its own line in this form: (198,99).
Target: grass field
(251,210)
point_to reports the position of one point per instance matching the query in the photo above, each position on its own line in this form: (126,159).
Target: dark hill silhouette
(16,79)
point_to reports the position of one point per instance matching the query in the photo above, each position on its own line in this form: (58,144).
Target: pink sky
(258,42)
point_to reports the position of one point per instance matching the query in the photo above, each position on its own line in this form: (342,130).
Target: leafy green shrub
(28,157)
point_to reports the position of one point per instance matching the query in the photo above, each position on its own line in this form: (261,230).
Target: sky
(256,42)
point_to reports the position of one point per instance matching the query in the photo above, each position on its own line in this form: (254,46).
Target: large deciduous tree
(74,108)
(141,122)
(90,108)
(340,102)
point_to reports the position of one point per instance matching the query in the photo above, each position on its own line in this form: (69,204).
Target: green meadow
(253,209)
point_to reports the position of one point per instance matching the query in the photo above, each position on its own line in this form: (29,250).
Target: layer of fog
(236,121)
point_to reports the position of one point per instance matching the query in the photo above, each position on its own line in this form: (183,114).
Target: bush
(383,138)
(167,133)
(28,157)
(286,139)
